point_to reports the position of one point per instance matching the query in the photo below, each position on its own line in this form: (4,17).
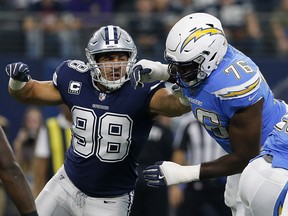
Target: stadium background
(12,49)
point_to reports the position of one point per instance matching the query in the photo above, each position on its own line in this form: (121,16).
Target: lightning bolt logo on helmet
(198,34)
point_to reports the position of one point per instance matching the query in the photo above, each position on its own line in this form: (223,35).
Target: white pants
(231,195)
(61,197)
(260,188)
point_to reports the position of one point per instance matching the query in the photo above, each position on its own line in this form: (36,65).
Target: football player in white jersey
(110,124)
(264,182)
(227,94)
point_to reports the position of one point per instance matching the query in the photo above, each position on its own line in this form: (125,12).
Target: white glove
(170,173)
(148,71)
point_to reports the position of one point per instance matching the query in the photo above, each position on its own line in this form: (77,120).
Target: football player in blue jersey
(227,94)
(110,124)
(13,179)
(264,182)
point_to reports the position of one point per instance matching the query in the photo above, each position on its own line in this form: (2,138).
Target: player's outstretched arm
(14,180)
(27,90)
(245,137)
(168,103)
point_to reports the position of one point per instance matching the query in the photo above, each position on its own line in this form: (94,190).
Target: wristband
(15,84)
(34,213)
(189,173)
(164,75)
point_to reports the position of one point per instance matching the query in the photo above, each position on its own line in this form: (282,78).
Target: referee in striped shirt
(193,145)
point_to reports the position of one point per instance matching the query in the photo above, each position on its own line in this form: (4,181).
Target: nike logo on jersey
(161,177)
(252,97)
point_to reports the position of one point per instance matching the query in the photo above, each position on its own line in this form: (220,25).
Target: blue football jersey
(109,130)
(236,83)
(277,144)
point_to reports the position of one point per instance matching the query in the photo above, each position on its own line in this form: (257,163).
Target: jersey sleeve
(58,72)
(152,88)
(235,97)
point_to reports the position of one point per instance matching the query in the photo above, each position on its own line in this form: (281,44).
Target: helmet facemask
(112,74)
(187,74)
(111,40)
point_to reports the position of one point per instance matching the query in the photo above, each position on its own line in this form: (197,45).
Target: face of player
(187,72)
(113,65)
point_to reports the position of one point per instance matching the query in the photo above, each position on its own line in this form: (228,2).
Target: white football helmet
(195,46)
(110,39)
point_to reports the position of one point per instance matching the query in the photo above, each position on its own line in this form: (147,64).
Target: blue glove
(18,71)
(154,176)
(137,72)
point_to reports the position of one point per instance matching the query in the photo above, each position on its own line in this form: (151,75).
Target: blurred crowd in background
(37,30)
(50,28)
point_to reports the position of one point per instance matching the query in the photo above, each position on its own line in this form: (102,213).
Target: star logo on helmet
(194,36)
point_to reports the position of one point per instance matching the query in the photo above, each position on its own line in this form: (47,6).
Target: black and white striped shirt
(191,137)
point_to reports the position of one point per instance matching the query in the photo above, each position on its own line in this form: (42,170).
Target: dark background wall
(14,110)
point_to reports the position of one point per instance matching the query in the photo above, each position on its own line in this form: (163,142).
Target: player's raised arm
(27,90)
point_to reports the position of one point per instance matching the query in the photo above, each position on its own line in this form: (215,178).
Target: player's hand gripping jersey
(109,130)
(235,84)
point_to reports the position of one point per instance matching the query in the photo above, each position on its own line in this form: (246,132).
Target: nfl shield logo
(102,96)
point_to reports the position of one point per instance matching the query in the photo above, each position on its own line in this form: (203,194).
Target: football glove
(169,173)
(18,71)
(148,71)
(177,91)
